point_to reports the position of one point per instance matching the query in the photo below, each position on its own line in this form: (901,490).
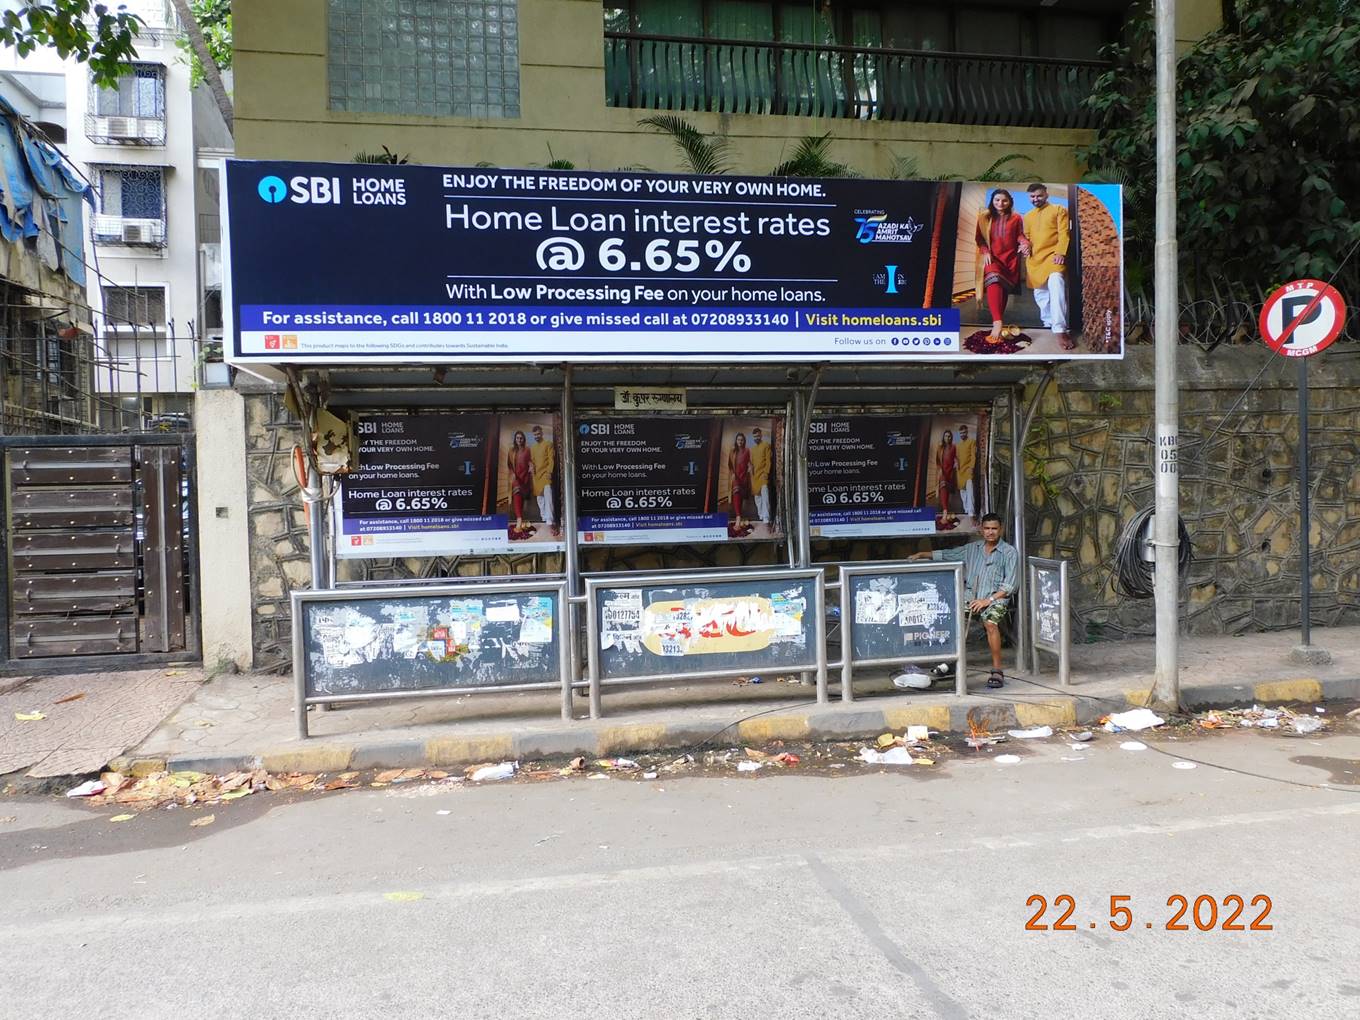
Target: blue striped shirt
(984,574)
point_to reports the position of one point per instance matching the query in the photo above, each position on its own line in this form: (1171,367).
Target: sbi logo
(273,190)
(304,190)
(599,429)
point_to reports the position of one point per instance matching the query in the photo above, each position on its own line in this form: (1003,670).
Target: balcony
(125,130)
(133,231)
(656,72)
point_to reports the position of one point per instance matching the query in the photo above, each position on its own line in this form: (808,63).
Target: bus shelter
(576,430)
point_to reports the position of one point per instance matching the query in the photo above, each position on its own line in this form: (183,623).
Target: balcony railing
(135,231)
(657,72)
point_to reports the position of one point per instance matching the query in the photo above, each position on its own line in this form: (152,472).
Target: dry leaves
(69,697)
(198,823)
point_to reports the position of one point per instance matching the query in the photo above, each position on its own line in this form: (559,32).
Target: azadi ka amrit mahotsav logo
(273,189)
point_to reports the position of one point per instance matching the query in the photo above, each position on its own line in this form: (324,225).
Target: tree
(97,34)
(216,26)
(1268,134)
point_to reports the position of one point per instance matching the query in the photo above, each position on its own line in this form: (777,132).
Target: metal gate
(99,549)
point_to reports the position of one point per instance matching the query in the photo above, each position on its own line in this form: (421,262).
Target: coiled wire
(1133,575)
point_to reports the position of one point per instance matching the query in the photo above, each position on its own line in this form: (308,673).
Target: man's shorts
(996,612)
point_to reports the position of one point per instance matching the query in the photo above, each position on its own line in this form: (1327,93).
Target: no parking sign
(1302,318)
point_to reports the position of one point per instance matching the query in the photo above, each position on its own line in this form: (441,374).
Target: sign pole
(1165,533)
(1305,622)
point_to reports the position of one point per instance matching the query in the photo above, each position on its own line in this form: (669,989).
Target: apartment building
(151,148)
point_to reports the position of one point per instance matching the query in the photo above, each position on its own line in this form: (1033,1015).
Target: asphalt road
(899,893)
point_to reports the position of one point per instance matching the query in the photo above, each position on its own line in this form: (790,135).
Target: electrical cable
(1133,575)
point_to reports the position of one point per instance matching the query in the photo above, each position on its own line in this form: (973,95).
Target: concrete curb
(815,723)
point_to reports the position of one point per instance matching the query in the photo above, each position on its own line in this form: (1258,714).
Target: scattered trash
(979,742)
(786,758)
(1083,737)
(198,823)
(403,897)
(1320,710)
(1353,713)
(1007,759)
(616,763)
(29,716)
(1259,718)
(89,788)
(916,734)
(912,679)
(1068,757)
(485,773)
(443,811)
(551,835)
(1033,733)
(924,761)
(886,740)
(750,766)
(649,775)
(8,819)
(236,794)
(1133,745)
(1135,720)
(69,697)
(892,756)
(122,818)
(756,680)
(1182,764)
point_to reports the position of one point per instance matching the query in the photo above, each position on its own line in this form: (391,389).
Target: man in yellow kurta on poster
(762,457)
(966,452)
(544,456)
(1047,227)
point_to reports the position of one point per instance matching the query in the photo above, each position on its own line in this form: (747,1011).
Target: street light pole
(1165,531)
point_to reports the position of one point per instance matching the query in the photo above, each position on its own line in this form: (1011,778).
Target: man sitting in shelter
(990,569)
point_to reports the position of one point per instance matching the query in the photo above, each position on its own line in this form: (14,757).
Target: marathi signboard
(661,630)
(681,480)
(521,266)
(451,483)
(885,475)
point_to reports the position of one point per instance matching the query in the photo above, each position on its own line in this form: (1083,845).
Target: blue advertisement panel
(400,264)
(451,484)
(679,479)
(883,475)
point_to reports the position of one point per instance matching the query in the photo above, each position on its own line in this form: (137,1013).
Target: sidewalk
(247,721)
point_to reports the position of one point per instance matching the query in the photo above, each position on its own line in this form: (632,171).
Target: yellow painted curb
(1138,698)
(146,766)
(1046,713)
(321,758)
(469,750)
(779,727)
(934,716)
(1288,690)
(635,737)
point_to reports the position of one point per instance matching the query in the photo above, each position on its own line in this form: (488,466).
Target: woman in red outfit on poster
(1001,240)
(739,463)
(947,463)
(520,462)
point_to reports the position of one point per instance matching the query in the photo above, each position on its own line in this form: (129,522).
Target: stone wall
(1089,465)
(1089,469)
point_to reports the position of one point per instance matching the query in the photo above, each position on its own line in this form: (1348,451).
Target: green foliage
(98,34)
(386,156)
(699,153)
(214,21)
(810,159)
(1268,132)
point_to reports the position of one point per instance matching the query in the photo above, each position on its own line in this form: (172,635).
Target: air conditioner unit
(122,127)
(142,231)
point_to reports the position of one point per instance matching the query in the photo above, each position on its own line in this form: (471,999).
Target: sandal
(994,679)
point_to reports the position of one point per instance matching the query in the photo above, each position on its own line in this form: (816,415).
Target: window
(139,94)
(426,58)
(133,192)
(139,309)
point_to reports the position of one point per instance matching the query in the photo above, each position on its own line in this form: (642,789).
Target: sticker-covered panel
(900,615)
(665,630)
(430,642)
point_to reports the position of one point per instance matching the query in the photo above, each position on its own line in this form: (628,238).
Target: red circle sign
(1302,318)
